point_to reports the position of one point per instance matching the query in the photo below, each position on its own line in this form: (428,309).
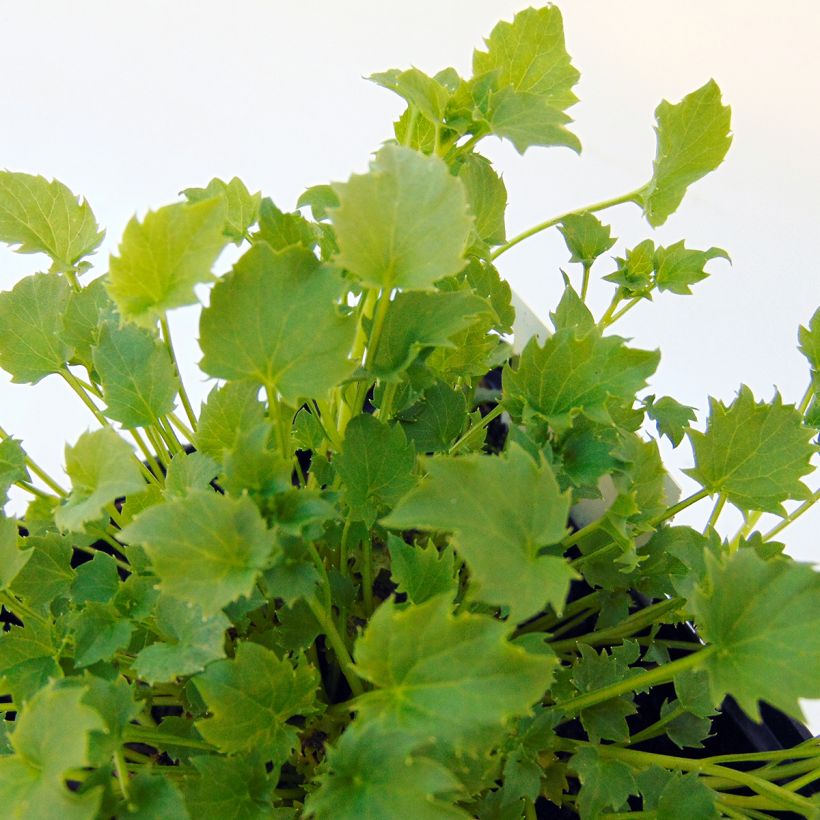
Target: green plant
(346,599)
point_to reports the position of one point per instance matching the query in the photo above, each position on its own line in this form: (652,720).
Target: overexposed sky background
(127,103)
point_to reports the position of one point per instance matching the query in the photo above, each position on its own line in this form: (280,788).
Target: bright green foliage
(12,466)
(754,453)
(605,784)
(678,267)
(572,312)
(50,738)
(281,230)
(164,256)
(47,575)
(671,417)
(573,374)
(12,559)
(684,797)
(418,320)
(189,641)
(634,273)
(426,94)
(251,697)
(154,796)
(422,572)
(31,315)
(586,237)
(372,772)
(28,660)
(45,217)
(693,138)
(499,541)
(445,677)
(809,338)
(186,472)
(99,631)
(376,465)
(206,549)
(434,422)
(241,206)
(101,467)
(763,620)
(274,321)
(86,313)
(97,580)
(487,198)
(233,407)
(137,375)
(404,224)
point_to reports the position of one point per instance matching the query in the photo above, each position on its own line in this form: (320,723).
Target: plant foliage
(350,585)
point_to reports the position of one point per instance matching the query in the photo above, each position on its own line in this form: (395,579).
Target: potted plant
(350,587)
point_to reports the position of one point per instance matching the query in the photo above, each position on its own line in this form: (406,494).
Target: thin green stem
(153,473)
(23,611)
(743,531)
(157,444)
(338,645)
(542,226)
(476,428)
(344,548)
(186,431)
(183,396)
(618,313)
(7,707)
(720,503)
(386,407)
(609,312)
(169,436)
(122,773)
(799,782)
(806,400)
(152,737)
(275,415)
(71,379)
(792,516)
(658,727)
(367,575)
(35,491)
(585,281)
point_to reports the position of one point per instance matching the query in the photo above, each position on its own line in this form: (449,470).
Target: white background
(127,103)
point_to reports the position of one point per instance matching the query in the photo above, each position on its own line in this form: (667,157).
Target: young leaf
(425,93)
(207,549)
(678,267)
(101,467)
(319,198)
(486,196)
(372,771)
(586,237)
(671,417)
(12,466)
(241,206)
(634,273)
(281,230)
(764,623)
(274,321)
(502,511)
(31,315)
(51,736)
(228,409)
(422,572)
(572,374)
(138,378)
(41,216)
(605,784)
(418,320)
(693,138)
(190,641)
(809,338)
(404,224)
(479,679)
(251,697)
(376,466)
(163,257)
(572,312)
(754,453)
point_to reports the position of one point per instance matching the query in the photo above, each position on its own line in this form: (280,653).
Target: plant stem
(338,645)
(542,226)
(792,516)
(609,312)
(657,728)
(367,575)
(748,525)
(806,400)
(183,396)
(720,503)
(122,772)
(545,622)
(16,606)
(618,313)
(152,737)
(169,436)
(71,379)
(485,420)
(344,549)
(186,431)
(157,444)
(7,707)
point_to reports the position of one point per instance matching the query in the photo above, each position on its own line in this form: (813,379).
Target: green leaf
(405,224)
(189,641)
(478,680)
(252,466)
(571,375)
(101,467)
(376,466)
(47,575)
(114,701)
(251,697)
(229,787)
(605,784)
(31,315)
(529,54)
(418,320)
(274,320)
(206,548)
(572,312)
(764,623)
(241,206)
(607,720)
(486,197)
(87,310)
(28,660)
(502,511)
(281,230)
(99,631)
(686,731)
(189,471)
(425,93)
(528,119)
(687,796)
(436,421)
(319,198)
(485,280)
(228,409)
(754,453)
(678,267)
(371,773)
(12,466)
(693,138)
(138,377)
(97,580)
(671,417)
(163,257)
(50,737)
(809,338)
(12,559)
(634,273)
(153,796)
(41,216)
(586,237)
(422,572)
